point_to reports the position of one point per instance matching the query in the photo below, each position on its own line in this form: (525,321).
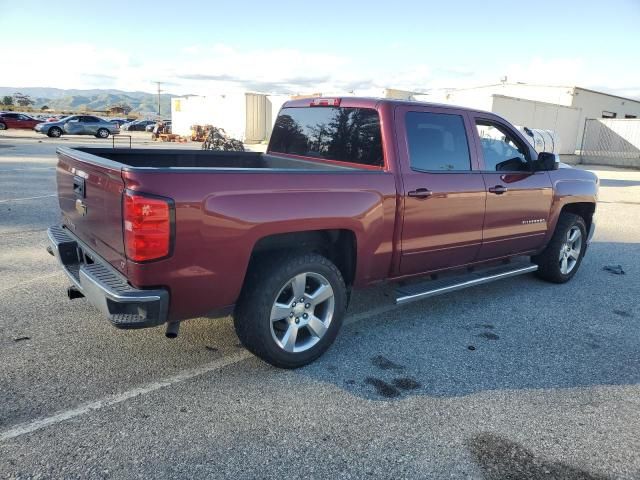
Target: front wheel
(291,309)
(560,260)
(54,132)
(3,126)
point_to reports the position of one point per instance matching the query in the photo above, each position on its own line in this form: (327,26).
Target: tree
(23,100)
(7,100)
(44,107)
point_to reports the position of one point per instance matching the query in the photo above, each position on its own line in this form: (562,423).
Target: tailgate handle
(78,186)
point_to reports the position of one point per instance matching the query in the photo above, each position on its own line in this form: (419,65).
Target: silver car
(78,125)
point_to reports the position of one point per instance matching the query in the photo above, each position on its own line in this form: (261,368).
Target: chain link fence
(609,141)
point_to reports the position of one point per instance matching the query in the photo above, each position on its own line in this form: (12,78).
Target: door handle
(420,193)
(498,189)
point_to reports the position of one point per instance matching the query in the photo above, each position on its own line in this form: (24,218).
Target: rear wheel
(102,133)
(54,132)
(3,126)
(560,261)
(291,309)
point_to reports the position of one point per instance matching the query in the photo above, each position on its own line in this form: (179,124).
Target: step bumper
(109,291)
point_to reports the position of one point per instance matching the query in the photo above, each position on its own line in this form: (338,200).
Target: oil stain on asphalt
(392,390)
(384,363)
(488,336)
(502,459)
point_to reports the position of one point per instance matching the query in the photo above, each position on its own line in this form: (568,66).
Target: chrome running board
(431,288)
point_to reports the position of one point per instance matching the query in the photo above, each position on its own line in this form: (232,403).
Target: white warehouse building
(246,116)
(558,108)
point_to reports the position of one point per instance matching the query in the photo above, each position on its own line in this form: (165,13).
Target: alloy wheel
(570,250)
(302,312)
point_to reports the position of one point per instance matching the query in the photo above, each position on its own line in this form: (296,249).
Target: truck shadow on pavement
(502,459)
(511,335)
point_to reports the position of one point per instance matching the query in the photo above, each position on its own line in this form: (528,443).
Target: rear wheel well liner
(338,245)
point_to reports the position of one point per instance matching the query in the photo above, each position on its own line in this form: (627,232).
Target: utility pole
(159,90)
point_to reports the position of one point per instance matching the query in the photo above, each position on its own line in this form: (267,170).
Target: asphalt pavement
(515,379)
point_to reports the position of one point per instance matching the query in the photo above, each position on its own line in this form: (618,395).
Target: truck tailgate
(90,196)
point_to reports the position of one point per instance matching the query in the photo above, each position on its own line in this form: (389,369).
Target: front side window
(334,133)
(500,149)
(437,142)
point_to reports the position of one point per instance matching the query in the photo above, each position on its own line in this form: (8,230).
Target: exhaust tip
(172,330)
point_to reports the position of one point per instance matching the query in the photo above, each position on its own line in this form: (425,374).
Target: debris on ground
(615,269)
(21,338)
(217,139)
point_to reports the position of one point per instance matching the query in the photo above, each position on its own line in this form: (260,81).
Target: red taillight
(325,102)
(147,227)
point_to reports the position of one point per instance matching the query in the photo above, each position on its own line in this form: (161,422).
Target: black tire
(102,133)
(3,126)
(549,261)
(54,132)
(265,282)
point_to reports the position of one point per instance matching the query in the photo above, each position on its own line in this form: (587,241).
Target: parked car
(350,193)
(118,122)
(78,125)
(138,125)
(166,123)
(17,120)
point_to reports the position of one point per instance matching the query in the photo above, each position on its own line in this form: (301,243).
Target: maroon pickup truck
(350,193)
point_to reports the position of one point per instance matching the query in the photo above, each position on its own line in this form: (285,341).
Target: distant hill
(92,100)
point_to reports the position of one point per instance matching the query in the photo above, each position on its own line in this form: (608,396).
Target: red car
(352,192)
(17,120)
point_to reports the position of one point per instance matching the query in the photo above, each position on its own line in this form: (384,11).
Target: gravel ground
(515,379)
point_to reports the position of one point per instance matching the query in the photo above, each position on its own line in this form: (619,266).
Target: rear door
(90,124)
(90,195)
(518,199)
(444,192)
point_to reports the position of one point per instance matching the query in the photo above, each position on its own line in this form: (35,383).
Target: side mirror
(547,161)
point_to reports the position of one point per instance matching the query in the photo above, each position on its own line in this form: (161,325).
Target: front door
(444,193)
(518,199)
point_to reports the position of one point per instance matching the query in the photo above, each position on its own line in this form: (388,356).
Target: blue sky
(302,47)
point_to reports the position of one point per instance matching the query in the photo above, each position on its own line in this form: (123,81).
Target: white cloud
(202,69)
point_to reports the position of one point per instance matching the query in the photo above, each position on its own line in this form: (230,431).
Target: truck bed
(224,203)
(199,159)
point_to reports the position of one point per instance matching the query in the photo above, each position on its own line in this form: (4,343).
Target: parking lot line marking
(63,416)
(28,198)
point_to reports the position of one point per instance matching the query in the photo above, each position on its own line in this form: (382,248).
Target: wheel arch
(585,210)
(338,245)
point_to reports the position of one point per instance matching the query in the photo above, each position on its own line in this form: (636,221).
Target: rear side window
(437,142)
(333,133)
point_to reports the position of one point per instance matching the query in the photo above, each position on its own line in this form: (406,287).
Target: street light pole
(159,90)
